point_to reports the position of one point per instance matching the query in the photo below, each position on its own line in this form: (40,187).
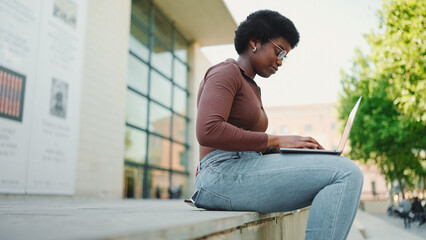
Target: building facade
(141,67)
(163,70)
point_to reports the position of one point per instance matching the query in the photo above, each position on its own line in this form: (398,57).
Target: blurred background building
(163,67)
(141,67)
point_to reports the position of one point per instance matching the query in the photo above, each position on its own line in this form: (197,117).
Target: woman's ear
(253,43)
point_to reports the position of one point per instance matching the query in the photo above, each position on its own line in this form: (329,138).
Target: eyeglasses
(281,55)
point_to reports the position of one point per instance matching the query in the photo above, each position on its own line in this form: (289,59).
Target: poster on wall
(40,100)
(54,138)
(19,24)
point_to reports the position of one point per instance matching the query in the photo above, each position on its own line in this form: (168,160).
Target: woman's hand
(293,141)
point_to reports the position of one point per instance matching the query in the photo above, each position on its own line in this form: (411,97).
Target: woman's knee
(354,172)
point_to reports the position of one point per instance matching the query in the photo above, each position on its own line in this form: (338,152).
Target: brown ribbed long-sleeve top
(230,112)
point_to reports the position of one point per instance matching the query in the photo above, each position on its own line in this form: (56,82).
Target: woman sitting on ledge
(240,168)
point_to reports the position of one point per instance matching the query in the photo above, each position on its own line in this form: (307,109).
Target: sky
(330,31)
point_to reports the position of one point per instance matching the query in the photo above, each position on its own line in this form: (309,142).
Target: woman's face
(265,60)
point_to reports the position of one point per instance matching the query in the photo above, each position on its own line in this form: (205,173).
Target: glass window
(159,120)
(135,145)
(159,152)
(132,182)
(161,89)
(136,109)
(162,59)
(157,70)
(140,10)
(179,157)
(179,181)
(180,101)
(137,74)
(159,183)
(163,29)
(181,47)
(139,42)
(180,73)
(179,128)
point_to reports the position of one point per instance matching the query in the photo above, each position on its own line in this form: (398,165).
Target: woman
(240,167)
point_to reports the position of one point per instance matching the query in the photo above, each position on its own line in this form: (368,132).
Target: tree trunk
(401,187)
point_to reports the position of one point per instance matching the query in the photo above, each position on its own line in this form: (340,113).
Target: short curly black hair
(263,25)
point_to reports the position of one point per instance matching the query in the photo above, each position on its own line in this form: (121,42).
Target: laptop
(342,142)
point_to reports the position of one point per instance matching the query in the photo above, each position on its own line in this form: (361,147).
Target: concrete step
(29,218)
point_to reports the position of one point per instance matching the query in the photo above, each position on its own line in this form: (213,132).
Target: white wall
(101,143)
(199,65)
(100,164)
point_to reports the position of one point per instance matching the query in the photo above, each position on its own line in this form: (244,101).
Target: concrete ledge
(27,218)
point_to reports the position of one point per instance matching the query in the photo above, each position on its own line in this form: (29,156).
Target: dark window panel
(139,42)
(180,73)
(137,74)
(159,184)
(135,145)
(159,152)
(159,120)
(136,109)
(161,89)
(162,59)
(140,11)
(181,47)
(132,182)
(179,157)
(180,127)
(180,101)
(179,186)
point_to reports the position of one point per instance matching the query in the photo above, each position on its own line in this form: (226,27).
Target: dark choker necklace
(245,75)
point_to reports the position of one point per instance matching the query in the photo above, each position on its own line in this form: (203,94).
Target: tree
(390,126)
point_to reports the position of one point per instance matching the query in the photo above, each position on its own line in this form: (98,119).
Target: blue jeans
(250,181)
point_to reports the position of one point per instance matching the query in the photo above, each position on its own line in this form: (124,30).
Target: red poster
(2,89)
(15,92)
(6,95)
(12,87)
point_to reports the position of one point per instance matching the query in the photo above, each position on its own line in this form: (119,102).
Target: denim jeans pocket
(212,201)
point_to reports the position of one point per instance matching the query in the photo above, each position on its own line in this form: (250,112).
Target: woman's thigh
(270,183)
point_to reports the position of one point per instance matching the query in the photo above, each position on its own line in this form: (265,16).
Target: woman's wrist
(273,141)
(272,145)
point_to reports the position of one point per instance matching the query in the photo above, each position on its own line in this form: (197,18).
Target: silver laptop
(342,142)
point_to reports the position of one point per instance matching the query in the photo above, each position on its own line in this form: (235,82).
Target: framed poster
(12,93)
(41,52)
(18,57)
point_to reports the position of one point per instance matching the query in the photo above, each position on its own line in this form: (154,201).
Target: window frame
(145,167)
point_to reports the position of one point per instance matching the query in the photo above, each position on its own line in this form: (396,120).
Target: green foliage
(390,126)
(400,52)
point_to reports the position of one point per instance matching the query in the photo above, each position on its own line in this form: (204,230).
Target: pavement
(66,219)
(382,227)
(399,223)
(44,219)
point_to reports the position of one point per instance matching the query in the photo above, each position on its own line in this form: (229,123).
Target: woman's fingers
(310,142)
(294,141)
(309,145)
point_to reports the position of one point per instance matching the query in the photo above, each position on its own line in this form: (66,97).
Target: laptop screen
(348,127)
